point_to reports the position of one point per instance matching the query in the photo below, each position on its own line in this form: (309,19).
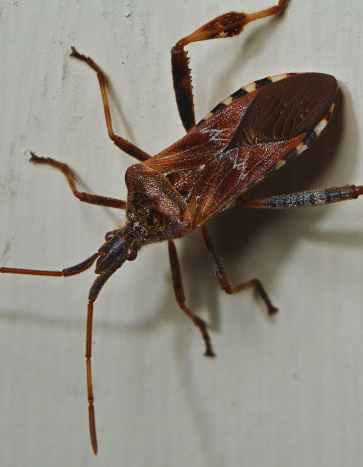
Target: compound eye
(108,236)
(131,255)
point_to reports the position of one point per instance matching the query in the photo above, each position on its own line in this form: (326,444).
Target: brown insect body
(183,186)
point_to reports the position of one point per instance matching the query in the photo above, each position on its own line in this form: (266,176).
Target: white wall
(282,392)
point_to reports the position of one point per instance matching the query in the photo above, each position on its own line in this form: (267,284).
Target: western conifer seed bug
(245,138)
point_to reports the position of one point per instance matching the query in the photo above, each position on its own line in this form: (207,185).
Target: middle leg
(180,298)
(222,276)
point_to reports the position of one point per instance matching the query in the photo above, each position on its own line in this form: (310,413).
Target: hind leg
(227,25)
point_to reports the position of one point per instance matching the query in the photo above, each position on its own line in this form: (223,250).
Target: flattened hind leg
(227,25)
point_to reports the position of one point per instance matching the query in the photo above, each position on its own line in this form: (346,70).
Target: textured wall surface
(286,391)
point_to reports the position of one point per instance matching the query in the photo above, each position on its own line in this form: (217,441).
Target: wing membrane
(286,109)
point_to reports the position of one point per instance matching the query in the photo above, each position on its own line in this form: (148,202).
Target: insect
(245,138)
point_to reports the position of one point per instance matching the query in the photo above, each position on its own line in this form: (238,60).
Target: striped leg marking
(304,198)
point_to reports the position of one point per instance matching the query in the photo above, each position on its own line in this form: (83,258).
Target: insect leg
(304,198)
(72,271)
(121,143)
(85,197)
(180,298)
(93,294)
(227,25)
(222,276)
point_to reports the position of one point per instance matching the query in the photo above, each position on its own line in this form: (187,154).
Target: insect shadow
(236,230)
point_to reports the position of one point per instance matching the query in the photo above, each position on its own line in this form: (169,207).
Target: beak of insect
(120,246)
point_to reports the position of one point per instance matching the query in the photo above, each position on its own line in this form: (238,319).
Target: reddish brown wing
(276,122)
(286,109)
(183,162)
(224,155)
(230,173)
(204,141)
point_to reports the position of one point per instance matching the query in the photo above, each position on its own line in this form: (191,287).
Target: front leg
(180,298)
(121,143)
(227,25)
(81,195)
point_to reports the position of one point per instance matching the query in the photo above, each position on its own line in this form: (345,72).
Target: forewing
(204,141)
(285,109)
(274,128)
(229,174)
(251,133)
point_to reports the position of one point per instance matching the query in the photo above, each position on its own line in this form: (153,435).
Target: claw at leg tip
(272,310)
